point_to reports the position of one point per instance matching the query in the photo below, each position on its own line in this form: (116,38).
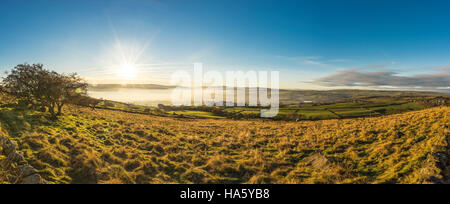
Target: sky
(320,44)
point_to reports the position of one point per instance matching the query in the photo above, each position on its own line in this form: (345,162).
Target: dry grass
(102,146)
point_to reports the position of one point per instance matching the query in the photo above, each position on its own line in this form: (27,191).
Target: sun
(128,71)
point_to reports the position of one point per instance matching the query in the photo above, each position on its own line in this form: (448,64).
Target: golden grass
(102,146)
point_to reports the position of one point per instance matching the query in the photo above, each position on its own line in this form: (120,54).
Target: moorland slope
(105,146)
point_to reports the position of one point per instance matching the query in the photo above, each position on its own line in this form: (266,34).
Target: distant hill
(127,86)
(294,96)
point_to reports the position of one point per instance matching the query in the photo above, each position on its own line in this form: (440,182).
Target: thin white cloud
(340,60)
(306,60)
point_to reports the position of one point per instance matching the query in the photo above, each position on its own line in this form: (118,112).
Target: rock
(33,179)
(27,170)
(15,157)
(317,161)
(4,164)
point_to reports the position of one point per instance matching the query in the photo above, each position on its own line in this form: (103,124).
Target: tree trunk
(60,106)
(51,109)
(44,107)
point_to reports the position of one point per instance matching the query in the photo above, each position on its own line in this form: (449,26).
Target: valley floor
(103,146)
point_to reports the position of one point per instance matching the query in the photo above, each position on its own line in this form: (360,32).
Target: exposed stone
(4,163)
(33,179)
(317,161)
(27,170)
(15,157)
(16,161)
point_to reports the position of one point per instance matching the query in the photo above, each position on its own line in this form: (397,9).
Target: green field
(358,107)
(336,96)
(368,108)
(195,114)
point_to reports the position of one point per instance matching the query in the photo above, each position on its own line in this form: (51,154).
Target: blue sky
(318,44)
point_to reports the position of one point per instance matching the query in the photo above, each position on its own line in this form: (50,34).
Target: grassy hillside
(105,146)
(368,107)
